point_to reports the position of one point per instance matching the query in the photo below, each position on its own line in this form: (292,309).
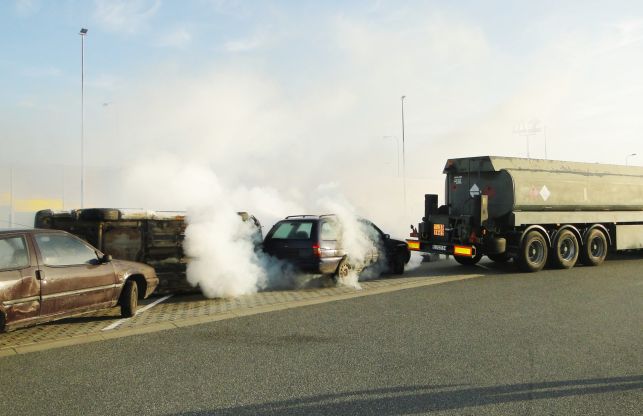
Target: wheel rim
(536,252)
(597,247)
(343,270)
(567,249)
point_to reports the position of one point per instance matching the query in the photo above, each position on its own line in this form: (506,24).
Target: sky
(281,100)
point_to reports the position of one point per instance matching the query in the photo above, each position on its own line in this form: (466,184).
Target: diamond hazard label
(474,190)
(544,193)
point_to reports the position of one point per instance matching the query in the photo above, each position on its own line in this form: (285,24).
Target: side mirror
(387,236)
(106,258)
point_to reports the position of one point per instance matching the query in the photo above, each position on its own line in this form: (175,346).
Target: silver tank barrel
(517,184)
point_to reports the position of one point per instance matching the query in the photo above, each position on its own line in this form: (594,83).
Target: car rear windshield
(293,230)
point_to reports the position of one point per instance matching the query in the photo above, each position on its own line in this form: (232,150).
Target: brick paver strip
(193,310)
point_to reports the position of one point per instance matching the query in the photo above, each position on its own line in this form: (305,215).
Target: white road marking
(143,309)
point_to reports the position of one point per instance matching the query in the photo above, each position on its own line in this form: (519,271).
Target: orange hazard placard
(438,230)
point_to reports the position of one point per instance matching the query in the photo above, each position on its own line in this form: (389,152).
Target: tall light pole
(629,156)
(82,33)
(403,156)
(10,196)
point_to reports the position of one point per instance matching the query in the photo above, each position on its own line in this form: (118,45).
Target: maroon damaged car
(48,274)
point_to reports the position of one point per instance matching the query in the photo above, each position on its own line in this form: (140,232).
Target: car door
(72,276)
(19,288)
(376,236)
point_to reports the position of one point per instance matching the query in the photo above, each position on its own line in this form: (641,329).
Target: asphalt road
(556,342)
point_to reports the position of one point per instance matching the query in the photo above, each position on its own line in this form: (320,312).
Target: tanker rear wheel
(468,261)
(565,250)
(594,248)
(532,256)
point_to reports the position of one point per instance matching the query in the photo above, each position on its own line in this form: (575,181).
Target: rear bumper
(464,250)
(324,265)
(328,265)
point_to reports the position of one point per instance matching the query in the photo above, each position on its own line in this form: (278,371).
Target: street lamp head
(403,97)
(83,31)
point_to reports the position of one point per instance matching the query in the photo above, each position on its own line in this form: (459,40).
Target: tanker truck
(536,212)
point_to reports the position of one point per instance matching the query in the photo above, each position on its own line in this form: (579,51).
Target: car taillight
(316,250)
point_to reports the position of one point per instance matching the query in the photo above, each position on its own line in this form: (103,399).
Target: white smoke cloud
(222,257)
(414,262)
(222,249)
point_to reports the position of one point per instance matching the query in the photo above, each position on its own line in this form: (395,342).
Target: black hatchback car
(313,244)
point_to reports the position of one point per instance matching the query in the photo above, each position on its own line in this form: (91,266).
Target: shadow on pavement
(427,398)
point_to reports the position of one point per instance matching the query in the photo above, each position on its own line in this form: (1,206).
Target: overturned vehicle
(151,237)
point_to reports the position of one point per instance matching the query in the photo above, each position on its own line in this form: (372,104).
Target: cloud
(178,38)
(43,72)
(102,81)
(125,16)
(246,44)
(232,8)
(27,7)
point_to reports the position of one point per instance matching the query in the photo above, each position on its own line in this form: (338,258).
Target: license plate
(438,247)
(438,230)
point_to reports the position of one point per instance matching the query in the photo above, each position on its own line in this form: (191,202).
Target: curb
(164,326)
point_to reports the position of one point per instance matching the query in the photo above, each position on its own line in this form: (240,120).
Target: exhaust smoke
(224,255)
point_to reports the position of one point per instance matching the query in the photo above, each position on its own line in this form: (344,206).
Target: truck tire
(565,250)
(468,261)
(2,322)
(129,299)
(100,214)
(594,248)
(500,258)
(532,256)
(43,218)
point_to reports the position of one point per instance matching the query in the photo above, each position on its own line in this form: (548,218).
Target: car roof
(28,230)
(309,217)
(14,230)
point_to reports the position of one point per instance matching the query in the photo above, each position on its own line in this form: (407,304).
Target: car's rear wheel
(2,322)
(343,270)
(398,264)
(129,299)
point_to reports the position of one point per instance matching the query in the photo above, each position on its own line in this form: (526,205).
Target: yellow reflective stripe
(462,251)
(413,245)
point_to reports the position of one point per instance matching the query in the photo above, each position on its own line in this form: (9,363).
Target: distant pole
(63,185)
(403,157)
(82,33)
(11,197)
(628,157)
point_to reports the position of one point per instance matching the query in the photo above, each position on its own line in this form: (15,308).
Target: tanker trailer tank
(534,212)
